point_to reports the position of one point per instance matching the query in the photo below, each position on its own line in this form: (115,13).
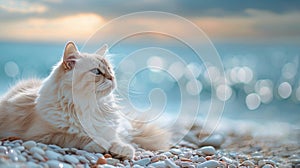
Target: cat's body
(73,107)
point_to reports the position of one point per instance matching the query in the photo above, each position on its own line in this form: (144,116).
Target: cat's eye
(96,71)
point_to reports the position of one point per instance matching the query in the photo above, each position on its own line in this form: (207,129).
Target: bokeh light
(253,101)
(11,69)
(194,87)
(285,90)
(223,92)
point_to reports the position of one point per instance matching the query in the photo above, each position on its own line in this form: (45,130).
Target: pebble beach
(195,150)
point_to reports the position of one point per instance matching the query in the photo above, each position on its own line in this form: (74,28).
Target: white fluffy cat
(75,107)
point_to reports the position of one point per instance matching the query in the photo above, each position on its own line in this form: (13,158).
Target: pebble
(51,155)
(171,163)
(198,159)
(143,162)
(21,158)
(42,146)
(107,166)
(29,144)
(267,166)
(167,154)
(37,150)
(71,159)
(3,149)
(159,164)
(82,159)
(54,146)
(38,157)
(209,164)
(248,163)
(34,165)
(137,166)
(176,151)
(207,150)
(19,148)
(91,157)
(112,161)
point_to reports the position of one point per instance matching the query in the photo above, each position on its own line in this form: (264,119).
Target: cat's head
(88,74)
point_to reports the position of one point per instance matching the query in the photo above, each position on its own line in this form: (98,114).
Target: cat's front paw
(93,147)
(122,150)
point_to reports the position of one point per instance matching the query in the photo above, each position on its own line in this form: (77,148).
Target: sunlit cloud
(254,25)
(76,27)
(257,25)
(13,6)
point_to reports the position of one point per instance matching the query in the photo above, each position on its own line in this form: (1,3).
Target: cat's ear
(70,55)
(103,50)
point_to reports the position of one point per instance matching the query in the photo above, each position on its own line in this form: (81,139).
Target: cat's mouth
(105,85)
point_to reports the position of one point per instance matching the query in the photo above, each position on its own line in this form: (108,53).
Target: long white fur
(73,108)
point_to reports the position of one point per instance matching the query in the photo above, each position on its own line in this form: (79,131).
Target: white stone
(159,164)
(37,150)
(207,150)
(171,163)
(51,155)
(176,151)
(209,164)
(143,162)
(71,159)
(29,144)
(38,157)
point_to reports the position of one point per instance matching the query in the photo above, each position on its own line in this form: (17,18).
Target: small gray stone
(268,166)
(51,155)
(143,162)
(71,159)
(168,154)
(33,165)
(3,149)
(148,154)
(13,155)
(99,155)
(65,165)
(248,163)
(54,146)
(81,152)
(186,164)
(21,158)
(29,144)
(170,163)
(38,157)
(207,150)
(42,146)
(112,161)
(232,166)
(107,166)
(137,166)
(295,160)
(198,159)
(37,150)
(90,156)
(82,159)
(19,148)
(159,164)
(176,151)
(209,164)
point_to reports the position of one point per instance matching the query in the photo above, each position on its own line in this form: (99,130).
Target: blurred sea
(263,80)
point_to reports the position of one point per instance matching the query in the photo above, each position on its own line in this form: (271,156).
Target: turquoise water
(274,73)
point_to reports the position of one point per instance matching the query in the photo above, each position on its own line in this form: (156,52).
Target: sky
(271,21)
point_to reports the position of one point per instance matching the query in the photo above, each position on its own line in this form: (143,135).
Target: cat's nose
(109,77)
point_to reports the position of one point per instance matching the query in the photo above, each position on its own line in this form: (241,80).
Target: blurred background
(258,42)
